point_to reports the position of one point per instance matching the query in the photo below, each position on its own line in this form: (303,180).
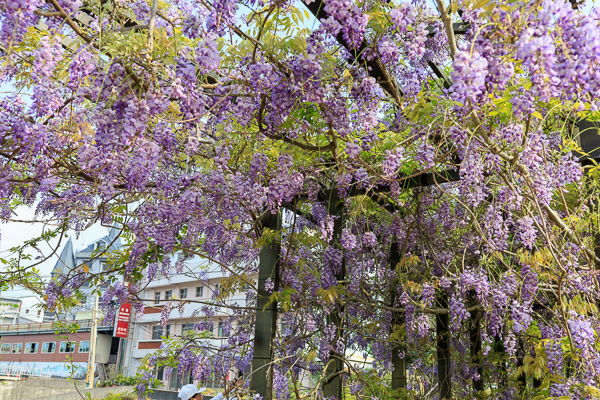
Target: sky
(16,233)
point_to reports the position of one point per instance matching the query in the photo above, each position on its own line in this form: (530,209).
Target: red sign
(123,321)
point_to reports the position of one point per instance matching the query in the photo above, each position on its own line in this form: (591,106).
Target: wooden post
(500,350)
(443,351)
(266,315)
(398,319)
(475,336)
(333,387)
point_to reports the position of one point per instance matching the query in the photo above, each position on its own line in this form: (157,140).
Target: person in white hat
(189,392)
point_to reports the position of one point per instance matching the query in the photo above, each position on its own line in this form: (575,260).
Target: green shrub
(121,396)
(122,380)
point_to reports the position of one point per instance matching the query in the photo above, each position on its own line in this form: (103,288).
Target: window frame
(168,294)
(186,328)
(157,298)
(79,346)
(221,330)
(37,345)
(200,289)
(71,347)
(48,352)
(2,348)
(183,293)
(19,345)
(156,328)
(245,287)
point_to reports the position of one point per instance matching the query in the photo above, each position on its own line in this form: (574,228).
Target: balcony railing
(50,326)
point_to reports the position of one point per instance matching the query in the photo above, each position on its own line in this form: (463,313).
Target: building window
(222,332)
(27,311)
(168,294)
(245,288)
(48,347)
(200,291)
(102,266)
(183,293)
(17,347)
(186,328)
(100,245)
(84,346)
(67,347)
(5,349)
(156,297)
(31,348)
(157,332)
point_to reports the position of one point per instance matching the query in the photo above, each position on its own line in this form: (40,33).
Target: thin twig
(151,29)
(447,20)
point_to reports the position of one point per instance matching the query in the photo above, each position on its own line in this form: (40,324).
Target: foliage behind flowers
(188,122)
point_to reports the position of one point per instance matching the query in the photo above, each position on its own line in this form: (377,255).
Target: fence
(9,372)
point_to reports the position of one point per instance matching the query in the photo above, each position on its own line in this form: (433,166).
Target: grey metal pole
(266,315)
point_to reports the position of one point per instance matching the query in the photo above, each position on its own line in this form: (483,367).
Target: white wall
(103,348)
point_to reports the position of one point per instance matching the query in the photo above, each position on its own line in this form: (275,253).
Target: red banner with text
(123,321)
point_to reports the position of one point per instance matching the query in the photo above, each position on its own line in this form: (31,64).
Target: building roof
(66,259)
(10,298)
(68,256)
(113,242)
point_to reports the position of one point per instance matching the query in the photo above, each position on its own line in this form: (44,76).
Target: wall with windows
(45,347)
(53,348)
(197,291)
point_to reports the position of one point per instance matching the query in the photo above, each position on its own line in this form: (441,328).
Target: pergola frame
(590,143)
(266,313)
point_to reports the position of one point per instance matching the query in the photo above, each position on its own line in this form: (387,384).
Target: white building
(20,310)
(148,331)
